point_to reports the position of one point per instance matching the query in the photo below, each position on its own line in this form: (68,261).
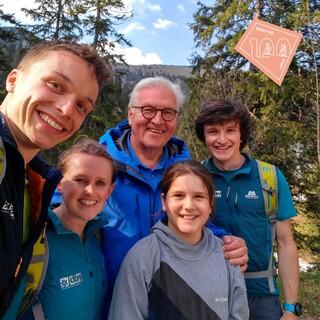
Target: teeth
(88,202)
(50,122)
(189,217)
(155,131)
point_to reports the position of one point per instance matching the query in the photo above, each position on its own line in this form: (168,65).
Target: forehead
(188,181)
(62,61)
(158,96)
(82,162)
(223,125)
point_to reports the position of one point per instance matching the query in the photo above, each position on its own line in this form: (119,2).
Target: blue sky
(158,30)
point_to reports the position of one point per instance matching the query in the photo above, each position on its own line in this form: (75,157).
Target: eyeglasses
(149,112)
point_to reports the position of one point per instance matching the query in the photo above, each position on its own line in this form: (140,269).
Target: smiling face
(86,184)
(152,135)
(188,207)
(223,141)
(48,100)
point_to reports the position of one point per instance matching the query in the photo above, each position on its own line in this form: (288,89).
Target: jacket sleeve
(218,232)
(238,302)
(130,295)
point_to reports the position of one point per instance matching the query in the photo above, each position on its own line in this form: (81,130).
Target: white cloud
(154,7)
(141,6)
(181,7)
(163,24)
(133,26)
(136,56)
(14,7)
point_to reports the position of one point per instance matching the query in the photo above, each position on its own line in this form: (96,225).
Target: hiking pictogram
(269,47)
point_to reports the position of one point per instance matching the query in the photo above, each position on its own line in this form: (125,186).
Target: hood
(115,141)
(182,249)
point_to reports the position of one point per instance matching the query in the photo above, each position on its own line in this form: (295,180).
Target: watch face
(298,309)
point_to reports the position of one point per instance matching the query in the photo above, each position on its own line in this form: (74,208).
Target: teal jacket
(240,210)
(75,284)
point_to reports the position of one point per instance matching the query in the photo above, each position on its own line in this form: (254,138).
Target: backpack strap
(269,186)
(35,276)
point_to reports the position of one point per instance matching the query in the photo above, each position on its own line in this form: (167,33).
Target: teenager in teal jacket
(225,127)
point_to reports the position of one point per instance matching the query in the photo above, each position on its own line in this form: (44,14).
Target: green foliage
(286,116)
(55,20)
(99,20)
(309,295)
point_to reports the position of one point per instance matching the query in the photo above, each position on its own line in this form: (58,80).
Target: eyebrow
(67,79)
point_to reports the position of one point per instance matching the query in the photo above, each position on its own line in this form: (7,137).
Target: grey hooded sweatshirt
(164,278)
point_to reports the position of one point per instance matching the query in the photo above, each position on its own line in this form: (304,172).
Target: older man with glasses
(143,147)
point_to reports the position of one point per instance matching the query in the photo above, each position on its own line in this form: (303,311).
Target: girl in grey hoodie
(179,271)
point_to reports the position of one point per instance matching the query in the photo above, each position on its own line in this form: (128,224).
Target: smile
(50,122)
(188,217)
(222,147)
(88,203)
(157,131)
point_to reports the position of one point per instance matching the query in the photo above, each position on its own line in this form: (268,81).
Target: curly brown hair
(219,111)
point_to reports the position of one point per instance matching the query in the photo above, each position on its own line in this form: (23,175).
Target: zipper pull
(43,233)
(228,192)
(18,268)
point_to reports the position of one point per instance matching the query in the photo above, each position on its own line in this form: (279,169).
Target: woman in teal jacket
(75,284)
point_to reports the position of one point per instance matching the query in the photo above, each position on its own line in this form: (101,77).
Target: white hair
(157,82)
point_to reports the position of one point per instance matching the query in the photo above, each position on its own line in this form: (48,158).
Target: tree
(56,20)
(100,18)
(287,117)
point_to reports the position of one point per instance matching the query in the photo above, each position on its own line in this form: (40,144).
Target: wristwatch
(295,308)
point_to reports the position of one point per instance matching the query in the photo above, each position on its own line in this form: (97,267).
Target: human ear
(59,186)
(110,191)
(163,200)
(129,115)
(11,80)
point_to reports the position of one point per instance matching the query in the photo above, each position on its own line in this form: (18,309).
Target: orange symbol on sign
(269,47)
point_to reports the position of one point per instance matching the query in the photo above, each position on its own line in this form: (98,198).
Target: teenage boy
(225,127)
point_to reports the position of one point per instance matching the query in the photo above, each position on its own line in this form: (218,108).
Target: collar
(5,132)
(244,169)
(91,227)
(160,165)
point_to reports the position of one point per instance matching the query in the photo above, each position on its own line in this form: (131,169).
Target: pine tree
(287,117)
(99,20)
(55,20)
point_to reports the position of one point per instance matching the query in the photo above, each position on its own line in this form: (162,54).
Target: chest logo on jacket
(218,194)
(251,195)
(7,209)
(71,281)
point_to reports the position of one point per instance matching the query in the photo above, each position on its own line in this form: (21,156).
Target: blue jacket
(135,204)
(240,210)
(132,208)
(75,284)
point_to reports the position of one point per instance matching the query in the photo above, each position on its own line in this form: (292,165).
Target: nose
(221,137)
(89,189)
(67,106)
(188,203)
(158,117)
